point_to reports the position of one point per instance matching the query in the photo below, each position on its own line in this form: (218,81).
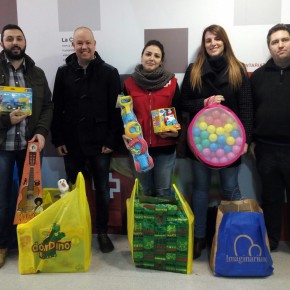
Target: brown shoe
(3,254)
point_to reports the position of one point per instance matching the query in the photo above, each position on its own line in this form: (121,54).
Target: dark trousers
(7,199)
(273,165)
(98,166)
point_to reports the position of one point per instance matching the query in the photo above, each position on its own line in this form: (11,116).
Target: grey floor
(115,271)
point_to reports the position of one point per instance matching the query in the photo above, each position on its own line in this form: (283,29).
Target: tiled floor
(115,271)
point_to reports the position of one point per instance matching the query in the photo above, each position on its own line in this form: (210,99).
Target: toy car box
(12,98)
(164,120)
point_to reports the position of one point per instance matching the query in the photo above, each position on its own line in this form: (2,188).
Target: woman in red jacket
(152,87)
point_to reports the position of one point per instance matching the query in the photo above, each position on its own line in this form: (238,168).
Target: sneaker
(3,254)
(106,245)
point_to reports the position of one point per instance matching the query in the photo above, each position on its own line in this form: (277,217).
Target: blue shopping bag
(240,246)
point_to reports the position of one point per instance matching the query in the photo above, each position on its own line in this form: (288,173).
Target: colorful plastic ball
(228,127)
(217,123)
(223,159)
(216,114)
(209,120)
(221,139)
(224,117)
(205,143)
(205,152)
(220,152)
(201,118)
(214,160)
(220,130)
(204,134)
(236,149)
(231,156)
(227,148)
(199,147)
(235,126)
(202,125)
(213,147)
(239,141)
(212,137)
(211,129)
(196,131)
(197,139)
(235,133)
(230,140)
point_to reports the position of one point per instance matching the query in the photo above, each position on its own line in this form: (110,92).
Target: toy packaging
(29,202)
(164,120)
(216,136)
(12,98)
(138,146)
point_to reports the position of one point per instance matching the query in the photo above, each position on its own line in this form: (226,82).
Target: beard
(14,54)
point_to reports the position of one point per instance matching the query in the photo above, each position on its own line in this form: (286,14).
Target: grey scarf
(151,81)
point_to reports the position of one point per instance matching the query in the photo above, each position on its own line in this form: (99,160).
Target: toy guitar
(30,192)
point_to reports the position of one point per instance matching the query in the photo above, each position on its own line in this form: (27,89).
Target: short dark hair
(10,26)
(277,27)
(156,43)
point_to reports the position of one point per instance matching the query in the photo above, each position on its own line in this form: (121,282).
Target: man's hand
(106,150)
(16,118)
(61,150)
(252,149)
(40,139)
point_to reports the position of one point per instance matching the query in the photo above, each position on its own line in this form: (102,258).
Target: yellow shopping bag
(160,232)
(59,238)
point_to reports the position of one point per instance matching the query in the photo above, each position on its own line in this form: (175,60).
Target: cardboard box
(164,120)
(12,98)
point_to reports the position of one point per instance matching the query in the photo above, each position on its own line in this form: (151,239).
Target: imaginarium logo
(252,253)
(50,245)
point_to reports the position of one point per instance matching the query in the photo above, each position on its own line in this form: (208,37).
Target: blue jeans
(200,197)
(157,181)
(99,167)
(7,199)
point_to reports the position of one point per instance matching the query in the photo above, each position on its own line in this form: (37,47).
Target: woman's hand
(127,140)
(216,99)
(245,149)
(170,134)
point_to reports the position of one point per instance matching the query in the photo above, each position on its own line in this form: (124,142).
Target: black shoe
(199,245)
(273,246)
(106,245)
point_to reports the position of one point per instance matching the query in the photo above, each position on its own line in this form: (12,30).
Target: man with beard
(18,69)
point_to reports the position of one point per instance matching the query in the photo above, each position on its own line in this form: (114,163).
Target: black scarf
(151,81)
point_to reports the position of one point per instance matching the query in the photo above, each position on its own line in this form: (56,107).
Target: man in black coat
(271,93)
(86,123)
